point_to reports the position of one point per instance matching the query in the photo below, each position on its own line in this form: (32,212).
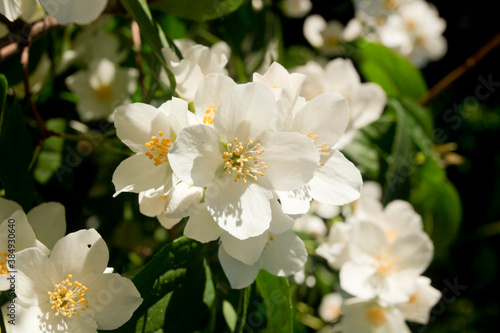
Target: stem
(461,70)
(136,39)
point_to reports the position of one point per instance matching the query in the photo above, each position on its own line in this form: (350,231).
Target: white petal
(355,278)
(139,173)
(151,202)
(211,90)
(327,116)
(415,251)
(313,26)
(136,123)
(202,227)
(291,160)
(78,254)
(246,112)
(48,220)
(113,299)
(238,274)
(241,209)
(367,104)
(337,182)
(22,231)
(367,241)
(419,307)
(284,255)
(196,155)
(31,278)
(168,222)
(247,251)
(342,76)
(280,222)
(183,200)
(402,217)
(7,208)
(296,201)
(74,11)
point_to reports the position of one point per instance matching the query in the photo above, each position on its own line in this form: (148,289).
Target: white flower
(381,269)
(41,228)
(28,10)
(68,291)
(102,88)
(326,36)
(149,132)
(312,225)
(197,62)
(336,249)
(171,205)
(366,100)
(330,307)
(419,306)
(323,210)
(296,8)
(242,159)
(257,5)
(369,316)
(74,11)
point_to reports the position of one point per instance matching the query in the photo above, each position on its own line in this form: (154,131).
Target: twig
(461,70)
(136,40)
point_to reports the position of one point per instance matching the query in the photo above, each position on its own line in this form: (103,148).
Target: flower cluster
(412,28)
(249,155)
(381,253)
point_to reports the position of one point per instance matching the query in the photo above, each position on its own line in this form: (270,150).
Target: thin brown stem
(136,40)
(461,70)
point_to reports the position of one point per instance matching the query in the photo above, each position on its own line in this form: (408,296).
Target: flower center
(104,93)
(386,262)
(210,114)
(322,148)
(158,148)
(413,298)
(68,298)
(375,317)
(242,159)
(4,270)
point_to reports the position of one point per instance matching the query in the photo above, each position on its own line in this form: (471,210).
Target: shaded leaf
(198,10)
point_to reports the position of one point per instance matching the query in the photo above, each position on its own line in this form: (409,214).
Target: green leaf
(16,154)
(3,95)
(198,10)
(396,75)
(50,157)
(437,201)
(229,315)
(401,161)
(275,292)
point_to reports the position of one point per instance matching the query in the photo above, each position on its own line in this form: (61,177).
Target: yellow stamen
(66,295)
(158,149)
(375,316)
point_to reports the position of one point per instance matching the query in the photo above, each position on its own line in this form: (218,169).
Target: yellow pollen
(271,238)
(104,93)
(322,148)
(391,235)
(164,197)
(386,262)
(158,149)
(240,158)
(413,298)
(4,270)
(375,317)
(210,114)
(68,298)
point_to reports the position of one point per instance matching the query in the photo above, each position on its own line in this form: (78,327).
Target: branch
(461,70)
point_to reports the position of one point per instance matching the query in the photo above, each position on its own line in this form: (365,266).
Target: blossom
(330,307)
(74,11)
(419,306)
(28,10)
(360,315)
(102,88)
(326,36)
(336,249)
(197,62)
(150,133)
(296,8)
(378,268)
(40,228)
(242,159)
(68,291)
(312,225)
(366,100)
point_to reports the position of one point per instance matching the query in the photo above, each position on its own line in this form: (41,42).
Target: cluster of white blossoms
(249,155)
(412,28)
(381,253)
(61,283)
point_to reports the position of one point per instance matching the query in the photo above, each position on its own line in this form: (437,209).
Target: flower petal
(291,160)
(112,300)
(22,231)
(196,155)
(202,227)
(246,112)
(295,202)
(238,274)
(337,182)
(138,173)
(284,255)
(211,90)
(168,222)
(243,210)
(415,251)
(78,254)
(354,279)
(32,280)
(247,251)
(280,222)
(48,220)
(74,11)
(7,208)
